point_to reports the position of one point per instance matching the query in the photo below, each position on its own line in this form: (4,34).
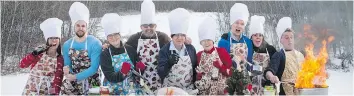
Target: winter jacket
(133,40)
(163,67)
(31,60)
(224,57)
(106,62)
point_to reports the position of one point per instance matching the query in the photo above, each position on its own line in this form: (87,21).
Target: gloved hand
(105,46)
(140,66)
(39,49)
(125,68)
(199,75)
(249,87)
(172,60)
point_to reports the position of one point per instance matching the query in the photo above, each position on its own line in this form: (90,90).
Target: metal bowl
(314,91)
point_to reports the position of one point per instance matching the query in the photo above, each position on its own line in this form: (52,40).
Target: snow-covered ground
(340,83)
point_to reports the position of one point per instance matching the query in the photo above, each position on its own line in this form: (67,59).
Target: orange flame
(313,73)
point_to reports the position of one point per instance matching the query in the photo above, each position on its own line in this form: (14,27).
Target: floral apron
(260,62)
(148,50)
(125,87)
(41,76)
(80,62)
(181,74)
(208,86)
(238,53)
(292,67)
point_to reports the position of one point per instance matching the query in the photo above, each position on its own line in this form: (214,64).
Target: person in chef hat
(81,54)
(148,43)
(177,60)
(288,56)
(211,61)
(240,49)
(118,59)
(234,41)
(46,62)
(261,55)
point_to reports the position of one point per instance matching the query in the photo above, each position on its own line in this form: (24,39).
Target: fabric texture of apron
(207,85)
(148,50)
(260,62)
(80,62)
(241,76)
(292,67)
(41,76)
(123,88)
(181,74)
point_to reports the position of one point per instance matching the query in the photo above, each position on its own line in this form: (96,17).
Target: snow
(336,61)
(17,83)
(340,83)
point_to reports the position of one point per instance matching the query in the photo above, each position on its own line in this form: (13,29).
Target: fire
(313,73)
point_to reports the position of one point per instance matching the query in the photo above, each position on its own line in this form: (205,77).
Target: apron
(148,50)
(238,52)
(41,76)
(181,74)
(128,86)
(260,62)
(80,62)
(292,67)
(208,86)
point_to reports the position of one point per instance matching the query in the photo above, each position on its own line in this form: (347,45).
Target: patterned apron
(292,67)
(41,76)
(148,50)
(239,52)
(125,87)
(208,86)
(80,62)
(260,62)
(181,74)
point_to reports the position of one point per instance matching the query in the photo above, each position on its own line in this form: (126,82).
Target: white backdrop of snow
(340,83)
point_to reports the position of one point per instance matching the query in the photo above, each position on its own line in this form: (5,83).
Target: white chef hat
(239,11)
(256,25)
(207,29)
(111,23)
(51,28)
(283,24)
(148,12)
(179,21)
(78,11)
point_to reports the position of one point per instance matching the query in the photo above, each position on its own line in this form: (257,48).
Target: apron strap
(154,33)
(158,45)
(125,81)
(72,42)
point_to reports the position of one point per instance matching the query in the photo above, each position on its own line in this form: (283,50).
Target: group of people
(151,60)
